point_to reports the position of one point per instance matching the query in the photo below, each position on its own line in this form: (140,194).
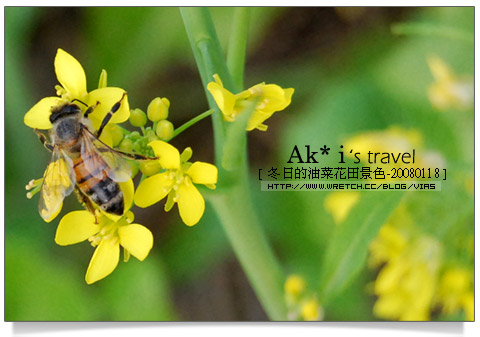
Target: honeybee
(82,162)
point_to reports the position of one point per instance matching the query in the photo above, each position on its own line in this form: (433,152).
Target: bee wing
(99,158)
(58,182)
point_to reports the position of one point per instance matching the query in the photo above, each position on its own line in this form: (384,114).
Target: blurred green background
(350,74)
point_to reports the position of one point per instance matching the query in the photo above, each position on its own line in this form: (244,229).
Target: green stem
(232,200)
(191,122)
(210,60)
(238,46)
(242,226)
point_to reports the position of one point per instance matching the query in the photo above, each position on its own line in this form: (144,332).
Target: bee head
(67,109)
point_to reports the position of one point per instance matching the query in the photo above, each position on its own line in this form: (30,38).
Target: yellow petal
(167,154)
(104,260)
(217,79)
(274,98)
(203,173)
(310,310)
(108,97)
(38,117)
(255,122)
(102,81)
(288,93)
(70,74)
(48,214)
(153,189)
(137,239)
(225,99)
(294,285)
(190,203)
(128,191)
(75,227)
(106,135)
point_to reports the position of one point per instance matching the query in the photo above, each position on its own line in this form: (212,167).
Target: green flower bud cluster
(136,142)
(157,113)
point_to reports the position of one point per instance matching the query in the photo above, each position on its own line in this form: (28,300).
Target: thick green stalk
(242,226)
(210,60)
(232,200)
(238,46)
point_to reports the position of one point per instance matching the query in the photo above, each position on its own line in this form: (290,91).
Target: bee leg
(134,156)
(89,205)
(43,139)
(77,100)
(109,115)
(86,202)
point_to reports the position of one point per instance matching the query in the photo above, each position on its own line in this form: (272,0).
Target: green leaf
(432,29)
(347,250)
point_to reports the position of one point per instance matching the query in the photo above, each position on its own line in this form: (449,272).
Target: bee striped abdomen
(99,187)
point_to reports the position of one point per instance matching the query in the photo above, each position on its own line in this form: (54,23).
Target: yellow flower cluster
(455,292)
(169,174)
(412,281)
(177,181)
(405,285)
(396,140)
(339,204)
(301,304)
(448,90)
(73,82)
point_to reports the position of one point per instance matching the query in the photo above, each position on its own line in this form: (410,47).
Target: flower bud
(150,167)
(102,81)
(186,154)
(158,109)
(164,130)
(137,117)
(151,136)
(133,167)
(126,145)
(134,135)
(311,310)
(116,133)
(137,147)
(294,285)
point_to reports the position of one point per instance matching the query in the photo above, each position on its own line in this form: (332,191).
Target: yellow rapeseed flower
(57,183)
(311,310)
(73,82)
(455,291)
(393,140)
(107,234)
(339,204)
(294,285)
(301,303)
(177,181)
(388,245)
(448,90)
(271,98)
(57,180)
(406,284)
